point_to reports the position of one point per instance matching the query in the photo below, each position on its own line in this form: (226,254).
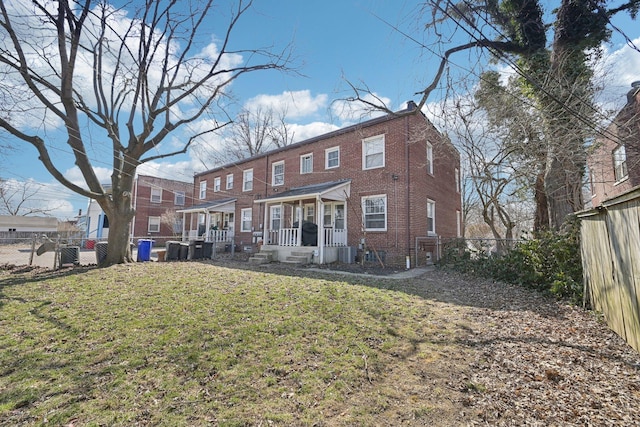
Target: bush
(549,262)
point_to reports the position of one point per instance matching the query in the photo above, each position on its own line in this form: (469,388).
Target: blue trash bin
(144,249)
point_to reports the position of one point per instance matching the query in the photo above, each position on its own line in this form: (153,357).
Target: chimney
(412,105)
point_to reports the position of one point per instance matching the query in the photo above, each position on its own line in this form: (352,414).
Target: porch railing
(284,237)
(212,235)
(293,237)
(335,237)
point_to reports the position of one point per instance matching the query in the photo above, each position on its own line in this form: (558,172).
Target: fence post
(33,248)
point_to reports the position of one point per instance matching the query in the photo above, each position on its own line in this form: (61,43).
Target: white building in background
(28,224)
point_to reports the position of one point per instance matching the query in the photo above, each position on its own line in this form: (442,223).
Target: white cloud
(618,69)
(302,132)
(294,104)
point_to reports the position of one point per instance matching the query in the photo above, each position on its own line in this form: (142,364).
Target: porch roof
(333,190)
(221,205)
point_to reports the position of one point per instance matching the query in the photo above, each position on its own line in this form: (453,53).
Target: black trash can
(173,251)
(195,249)
(309,234)
(184,251)
(207,250)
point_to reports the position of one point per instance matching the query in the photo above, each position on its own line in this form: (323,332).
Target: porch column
(300,210)
(207,224)
(264,224)
(184,223)
(320,229)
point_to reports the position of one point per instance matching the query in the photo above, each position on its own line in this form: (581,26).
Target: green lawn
(195,344)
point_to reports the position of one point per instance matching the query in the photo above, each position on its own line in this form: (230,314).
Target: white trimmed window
(154,224)
(429,158)
(247,180)
(245,219)
(457,176)
(373,152)
(229,181)
(277,173)
(276,217)
(458,224)
(332,158)
(431,217)
(374,210)
(203,190)
(216,184)
(156,195)
(180,198)
(306,163)
(620,163)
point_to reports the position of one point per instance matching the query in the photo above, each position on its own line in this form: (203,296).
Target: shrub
(548,262)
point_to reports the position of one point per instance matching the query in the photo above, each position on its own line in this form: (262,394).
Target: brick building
(152,197)
(377,186)
(614,164)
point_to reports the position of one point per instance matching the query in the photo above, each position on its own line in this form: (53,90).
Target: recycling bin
(144,250)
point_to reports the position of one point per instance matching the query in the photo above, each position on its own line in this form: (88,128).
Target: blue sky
(334,41)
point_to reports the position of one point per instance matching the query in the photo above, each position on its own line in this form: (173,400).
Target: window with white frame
(306,163)
(245,219)
(620,163)
(429,158)
(457,176)
(374,210)
(277,173)
(332,158)
(458,223)
(431,217)
(247,180)
(373,152)
(180,198)
(203,190)
(229,181)
(156,195)
(310,213)
(154,224)
(216,184)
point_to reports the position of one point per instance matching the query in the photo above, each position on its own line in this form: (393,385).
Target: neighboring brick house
(614,164)
(152,197)
(377,185)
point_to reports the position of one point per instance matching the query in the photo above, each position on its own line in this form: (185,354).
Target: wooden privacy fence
(610,246)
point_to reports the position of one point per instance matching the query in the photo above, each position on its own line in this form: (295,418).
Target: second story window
(180,198)
(216,183)
(620,163)
(373,152)
(332,158)
(203,190)
(306,163)
(247,180)
(277,173)
(457,177)
(229,181)
(156,195)
(429,158)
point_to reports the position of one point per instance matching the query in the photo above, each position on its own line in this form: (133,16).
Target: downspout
(135,205)
(408,172)
(320,229)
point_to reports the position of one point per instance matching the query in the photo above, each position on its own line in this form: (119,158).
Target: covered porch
(311,219)
(210,222)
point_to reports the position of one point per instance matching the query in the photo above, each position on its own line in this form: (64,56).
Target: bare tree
(257,131)
(22,199)
(557,76)
(130,77)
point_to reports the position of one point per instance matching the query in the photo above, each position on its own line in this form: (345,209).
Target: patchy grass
(194,344)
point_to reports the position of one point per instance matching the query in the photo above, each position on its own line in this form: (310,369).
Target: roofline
(276,198)
(411,109)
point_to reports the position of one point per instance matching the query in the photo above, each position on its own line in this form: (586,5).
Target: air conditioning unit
(347,254)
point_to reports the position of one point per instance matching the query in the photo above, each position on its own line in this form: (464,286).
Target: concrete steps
(262,257)
(299,258)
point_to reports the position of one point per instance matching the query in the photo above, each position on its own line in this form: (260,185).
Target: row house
(155,201)
(614,163)
(377,185)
